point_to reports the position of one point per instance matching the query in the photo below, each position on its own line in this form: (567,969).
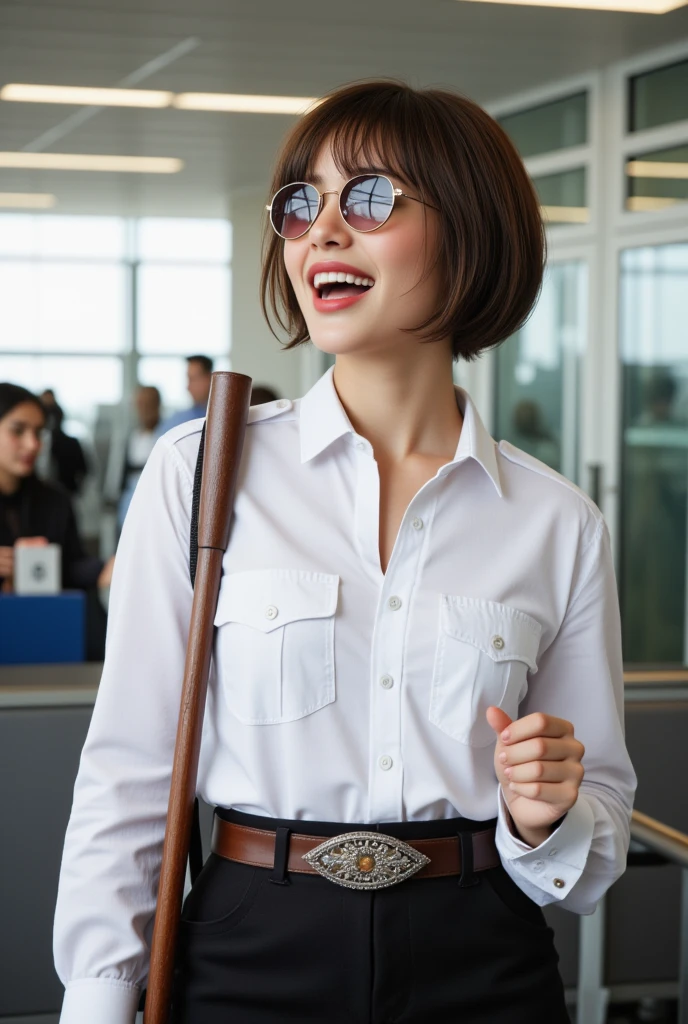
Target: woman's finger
(560,793)
(546,771)
(542,749)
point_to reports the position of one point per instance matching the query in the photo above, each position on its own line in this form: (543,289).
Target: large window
(90,305)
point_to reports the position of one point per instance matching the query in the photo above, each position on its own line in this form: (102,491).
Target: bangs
(372,132)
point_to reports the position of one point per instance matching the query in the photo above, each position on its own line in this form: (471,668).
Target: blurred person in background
(126,460)
(263,393)
(66,461)
(198,370)
(37,511)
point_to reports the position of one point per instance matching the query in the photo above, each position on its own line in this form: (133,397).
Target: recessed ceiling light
(656,169)
(19,93)
(242,103)
(27,200)
(92,162)
(630,6)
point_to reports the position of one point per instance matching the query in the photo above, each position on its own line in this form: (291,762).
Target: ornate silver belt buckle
(366,860)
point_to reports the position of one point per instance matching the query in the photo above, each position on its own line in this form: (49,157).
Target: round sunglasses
(365,203)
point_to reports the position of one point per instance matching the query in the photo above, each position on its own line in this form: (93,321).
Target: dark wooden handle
(225,428)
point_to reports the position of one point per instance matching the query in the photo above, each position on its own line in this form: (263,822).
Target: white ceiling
(291,47)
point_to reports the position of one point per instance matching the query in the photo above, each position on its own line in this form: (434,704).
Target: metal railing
(652,842)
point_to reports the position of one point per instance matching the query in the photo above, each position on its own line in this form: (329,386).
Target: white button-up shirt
(339,692)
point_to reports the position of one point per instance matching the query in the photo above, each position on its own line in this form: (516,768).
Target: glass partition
(550,126)
(658,179)
(654,509)
(658,97)
(537,372)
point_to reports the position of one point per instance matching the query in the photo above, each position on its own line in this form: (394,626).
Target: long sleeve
(113,845)
(581,679)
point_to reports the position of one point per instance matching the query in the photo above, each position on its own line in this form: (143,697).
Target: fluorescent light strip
(566,214)
(642,204)
(92,162)
(20,93)
(15,92)
(243,104)
(629,6)
(655,169)
(27,200)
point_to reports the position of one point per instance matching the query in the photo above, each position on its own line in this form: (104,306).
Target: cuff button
(559,882)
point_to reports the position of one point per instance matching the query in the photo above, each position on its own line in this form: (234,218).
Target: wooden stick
(225,428)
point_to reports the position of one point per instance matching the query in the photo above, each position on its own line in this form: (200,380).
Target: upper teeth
(338,277)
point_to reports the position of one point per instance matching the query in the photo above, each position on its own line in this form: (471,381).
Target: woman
(417,633)
(33,511)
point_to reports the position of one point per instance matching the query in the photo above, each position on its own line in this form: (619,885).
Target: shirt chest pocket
(484,653)
(275,643)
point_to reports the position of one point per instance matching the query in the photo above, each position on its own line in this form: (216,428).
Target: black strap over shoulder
(195,842)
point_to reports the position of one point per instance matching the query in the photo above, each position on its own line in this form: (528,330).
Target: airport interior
(137,142)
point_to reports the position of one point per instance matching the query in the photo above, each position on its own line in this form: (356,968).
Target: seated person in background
(198,370)
(262,393)
(67,461)
(34,510)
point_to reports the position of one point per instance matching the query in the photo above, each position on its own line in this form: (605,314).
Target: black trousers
(426,951)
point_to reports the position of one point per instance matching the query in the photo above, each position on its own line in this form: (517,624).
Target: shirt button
(271,612)
(395,603)
(417,523)
(559,882)
(498,643)
(553,852)
(539,866)
(361,445)
(283,403)
(387,682)
(385,762)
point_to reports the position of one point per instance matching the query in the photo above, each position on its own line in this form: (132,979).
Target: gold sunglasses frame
(397,193)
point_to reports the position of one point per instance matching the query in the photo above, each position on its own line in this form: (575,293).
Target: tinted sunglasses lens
(367,201)
(294,209)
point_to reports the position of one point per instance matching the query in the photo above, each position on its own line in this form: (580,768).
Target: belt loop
(467,877)
(279,869)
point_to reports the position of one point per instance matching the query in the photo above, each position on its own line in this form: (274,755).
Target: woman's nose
(329,228)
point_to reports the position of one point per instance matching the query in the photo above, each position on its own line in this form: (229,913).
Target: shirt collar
(322,421)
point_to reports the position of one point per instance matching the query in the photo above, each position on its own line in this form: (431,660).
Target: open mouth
(335,284)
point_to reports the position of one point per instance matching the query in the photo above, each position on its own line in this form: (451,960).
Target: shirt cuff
(548,872)
(104,1000)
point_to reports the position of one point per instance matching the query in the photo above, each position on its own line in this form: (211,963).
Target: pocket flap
(268,598)
(501,632)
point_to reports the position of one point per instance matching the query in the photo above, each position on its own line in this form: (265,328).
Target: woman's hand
(105,577)
(538,763)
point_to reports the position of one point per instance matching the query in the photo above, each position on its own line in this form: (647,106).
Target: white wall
(255,351)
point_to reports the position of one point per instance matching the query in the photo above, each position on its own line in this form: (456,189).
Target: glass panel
(563,197)
(550,127)
(187,240)
(183,309)
(80,383)
(168,374)
(657,180)
(81,236)
(537,372)
(67,307)
(50,235)
(658,97)
(654,311)
(17,234)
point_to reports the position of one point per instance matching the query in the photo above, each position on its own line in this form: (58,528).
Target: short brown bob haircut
(492,243)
